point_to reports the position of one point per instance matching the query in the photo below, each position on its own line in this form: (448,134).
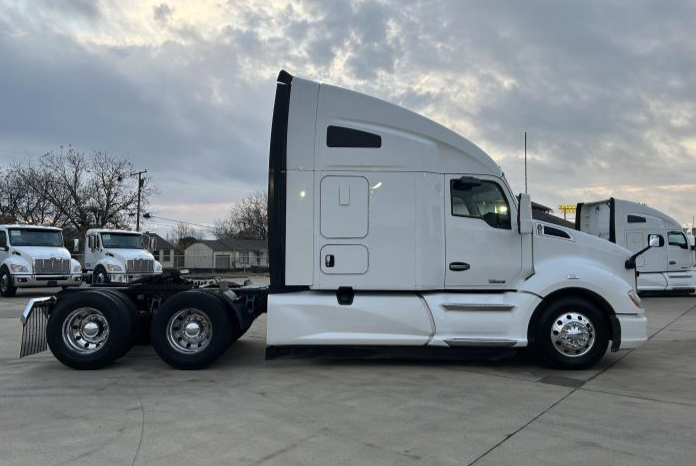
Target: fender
(580,274)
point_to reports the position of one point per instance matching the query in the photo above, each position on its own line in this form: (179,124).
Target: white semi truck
(667,268)
(34,256)
(117,256)
(389,236)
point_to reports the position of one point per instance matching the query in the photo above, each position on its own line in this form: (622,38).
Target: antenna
(525,162)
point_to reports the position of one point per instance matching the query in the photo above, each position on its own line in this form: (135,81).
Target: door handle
(459,266)
(672,262)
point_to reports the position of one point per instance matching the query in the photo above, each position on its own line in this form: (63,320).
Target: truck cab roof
(111,230)
(31,227)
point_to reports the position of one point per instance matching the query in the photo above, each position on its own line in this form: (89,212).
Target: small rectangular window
(675,238)
(636,219)
(480,199)
(244,257)
(339,136)
(167,255)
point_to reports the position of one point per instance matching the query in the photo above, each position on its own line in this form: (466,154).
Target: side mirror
(465,183)
(656,241)
(90,242)
(76,245)
(525,223)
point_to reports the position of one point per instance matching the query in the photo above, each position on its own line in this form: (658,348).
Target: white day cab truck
(34,256)
(118,256)
(668,268)
(390,236)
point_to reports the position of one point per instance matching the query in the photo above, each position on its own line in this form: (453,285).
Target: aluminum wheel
(85,330)
(4,282)
(100,278)
(573,334)
(189,330)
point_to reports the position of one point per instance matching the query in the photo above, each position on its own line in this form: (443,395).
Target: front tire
(99,276)
(572,333)
(89,330)
(7,288)
(191,330)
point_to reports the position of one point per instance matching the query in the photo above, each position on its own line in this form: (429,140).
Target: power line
(149,215)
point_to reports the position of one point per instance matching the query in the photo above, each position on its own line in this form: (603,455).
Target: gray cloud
(604,89)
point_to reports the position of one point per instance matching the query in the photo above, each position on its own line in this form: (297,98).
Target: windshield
(122,240)
(35,237)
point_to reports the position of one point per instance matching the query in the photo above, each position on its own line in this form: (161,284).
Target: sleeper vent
(551,231)
(339,136)
(635,219)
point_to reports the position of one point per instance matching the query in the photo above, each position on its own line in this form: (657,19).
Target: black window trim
(555,232)
(345,137)
(502,192)
(632,218)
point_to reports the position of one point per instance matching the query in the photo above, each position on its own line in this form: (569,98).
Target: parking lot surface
(637,408)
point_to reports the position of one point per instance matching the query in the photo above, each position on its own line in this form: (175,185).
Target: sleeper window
(677,239)
(485,201)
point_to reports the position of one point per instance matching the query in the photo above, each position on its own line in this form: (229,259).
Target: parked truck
(389,235)
(34,256)
(117,256)
(667,268)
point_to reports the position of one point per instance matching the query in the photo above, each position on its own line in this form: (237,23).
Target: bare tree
(182,236)
(248,219)
(75,190)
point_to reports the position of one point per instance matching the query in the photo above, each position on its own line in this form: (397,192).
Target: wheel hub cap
(189,330)
(85,330)
(573,334)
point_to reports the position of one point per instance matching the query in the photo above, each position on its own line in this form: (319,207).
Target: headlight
(19,268)
(114,268)
(77,268)
(633,296)
(158,267)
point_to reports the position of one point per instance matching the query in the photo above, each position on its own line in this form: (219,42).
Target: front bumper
(129,277)
(633,331)
(32,281)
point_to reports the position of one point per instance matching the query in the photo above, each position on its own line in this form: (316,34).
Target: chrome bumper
(129,277)
(29,281)
(34,321)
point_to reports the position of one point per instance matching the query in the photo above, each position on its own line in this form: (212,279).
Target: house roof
(234,244)
(160,243)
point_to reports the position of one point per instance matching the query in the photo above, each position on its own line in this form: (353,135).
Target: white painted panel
(344,259)
(316,318)
(301,124)
(481,316)
(299,242)
(344,209)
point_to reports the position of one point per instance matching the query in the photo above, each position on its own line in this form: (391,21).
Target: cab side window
(484,200)
(675,238)
(3,239)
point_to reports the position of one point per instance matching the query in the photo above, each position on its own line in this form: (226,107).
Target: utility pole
(141,182)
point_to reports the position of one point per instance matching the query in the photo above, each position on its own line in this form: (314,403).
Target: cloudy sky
(605,89)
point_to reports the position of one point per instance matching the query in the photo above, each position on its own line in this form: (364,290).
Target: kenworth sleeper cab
(667,268)
(389,235)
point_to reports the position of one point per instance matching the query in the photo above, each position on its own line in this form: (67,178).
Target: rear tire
(191,330)
(89,330)
(7,288)
(572,333)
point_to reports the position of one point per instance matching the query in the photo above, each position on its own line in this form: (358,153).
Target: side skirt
(387,352)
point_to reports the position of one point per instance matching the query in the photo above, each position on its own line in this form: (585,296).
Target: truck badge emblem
(540,229)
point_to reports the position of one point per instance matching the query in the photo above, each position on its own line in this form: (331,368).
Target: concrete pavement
(636,408)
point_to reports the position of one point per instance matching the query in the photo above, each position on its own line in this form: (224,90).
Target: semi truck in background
(34,256)
(117,256)
(389,235)
(668,267)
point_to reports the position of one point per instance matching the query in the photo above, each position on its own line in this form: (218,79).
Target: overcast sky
(606,90)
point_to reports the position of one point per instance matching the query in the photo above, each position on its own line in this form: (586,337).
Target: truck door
(91,251)
(483,247)
(679,254)
(635,242)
